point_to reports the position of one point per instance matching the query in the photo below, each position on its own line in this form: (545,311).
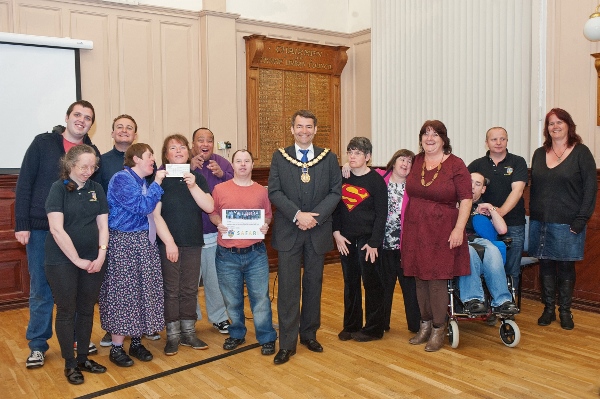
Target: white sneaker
(35,360)
(106,341)
(91,349)
(152,337)
(223,326)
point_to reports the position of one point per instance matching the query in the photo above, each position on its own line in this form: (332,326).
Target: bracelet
(104,247)
(493,208)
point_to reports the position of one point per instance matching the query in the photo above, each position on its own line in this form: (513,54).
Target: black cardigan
(39,170)
(565,194)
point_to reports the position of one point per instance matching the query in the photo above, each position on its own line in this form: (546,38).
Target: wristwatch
(104,247)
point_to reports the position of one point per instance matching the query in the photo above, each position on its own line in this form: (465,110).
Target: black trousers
(75,291)
(391,271)
(355,269)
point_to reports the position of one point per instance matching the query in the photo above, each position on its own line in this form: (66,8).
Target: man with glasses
(39,170)
(305,185)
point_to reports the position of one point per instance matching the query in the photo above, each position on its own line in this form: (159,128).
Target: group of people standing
(133,240)
(429,211)
(103,215)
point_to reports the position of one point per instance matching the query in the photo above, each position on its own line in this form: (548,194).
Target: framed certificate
(243,223)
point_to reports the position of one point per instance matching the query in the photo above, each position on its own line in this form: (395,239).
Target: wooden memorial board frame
(283,76)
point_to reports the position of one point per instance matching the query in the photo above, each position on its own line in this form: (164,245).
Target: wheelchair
(509,331)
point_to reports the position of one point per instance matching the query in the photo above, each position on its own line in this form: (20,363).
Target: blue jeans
(493,272)
(233,269)
(215,308)
(514,254)
(41,302)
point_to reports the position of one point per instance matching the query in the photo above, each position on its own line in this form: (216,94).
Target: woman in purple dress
(434,244)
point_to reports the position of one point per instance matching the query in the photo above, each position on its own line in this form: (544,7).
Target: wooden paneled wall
(145,62)
(14,277)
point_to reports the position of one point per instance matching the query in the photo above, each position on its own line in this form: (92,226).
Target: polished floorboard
(548,362)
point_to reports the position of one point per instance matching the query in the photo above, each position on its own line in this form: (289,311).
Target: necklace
(559,157)
(434,176)
(305,177)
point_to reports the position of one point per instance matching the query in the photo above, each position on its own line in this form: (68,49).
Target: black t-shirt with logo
(512,168)
(80,209)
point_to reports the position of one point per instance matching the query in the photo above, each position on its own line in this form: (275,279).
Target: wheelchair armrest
(480,249)
(507,241)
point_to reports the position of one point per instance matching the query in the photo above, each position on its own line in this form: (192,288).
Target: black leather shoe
(345,336)
(312,345)
(475,306)
(283,355)
(140,352)
(91,367)
(507,307)
(120,358)
(268,348)
(232,343)
(491,320)
(74,376)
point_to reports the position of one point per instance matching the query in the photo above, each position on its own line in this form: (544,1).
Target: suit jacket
(285,193)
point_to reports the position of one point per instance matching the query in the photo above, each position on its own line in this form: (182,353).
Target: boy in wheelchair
(492,264)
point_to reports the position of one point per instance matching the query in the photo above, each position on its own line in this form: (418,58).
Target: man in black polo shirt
(508,177)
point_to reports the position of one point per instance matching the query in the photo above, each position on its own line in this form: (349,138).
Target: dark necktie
(304,156)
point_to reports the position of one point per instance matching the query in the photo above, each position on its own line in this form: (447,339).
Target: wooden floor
(548,363)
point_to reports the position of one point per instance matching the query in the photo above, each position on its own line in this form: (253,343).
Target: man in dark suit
(305,185)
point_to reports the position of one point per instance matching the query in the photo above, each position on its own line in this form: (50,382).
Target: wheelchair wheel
(510,333)
(453,334)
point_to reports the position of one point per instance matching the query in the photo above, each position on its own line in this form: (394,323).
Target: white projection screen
(37,85)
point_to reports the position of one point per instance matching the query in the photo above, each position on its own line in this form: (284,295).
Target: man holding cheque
(240,259)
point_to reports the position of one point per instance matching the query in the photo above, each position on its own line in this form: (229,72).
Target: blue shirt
(128,206)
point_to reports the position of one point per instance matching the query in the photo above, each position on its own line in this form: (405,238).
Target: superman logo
(352,195)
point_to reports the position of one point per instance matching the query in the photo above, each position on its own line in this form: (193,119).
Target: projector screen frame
(60,43)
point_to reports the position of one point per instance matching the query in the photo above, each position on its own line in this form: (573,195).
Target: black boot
(548,299)
(565,296)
